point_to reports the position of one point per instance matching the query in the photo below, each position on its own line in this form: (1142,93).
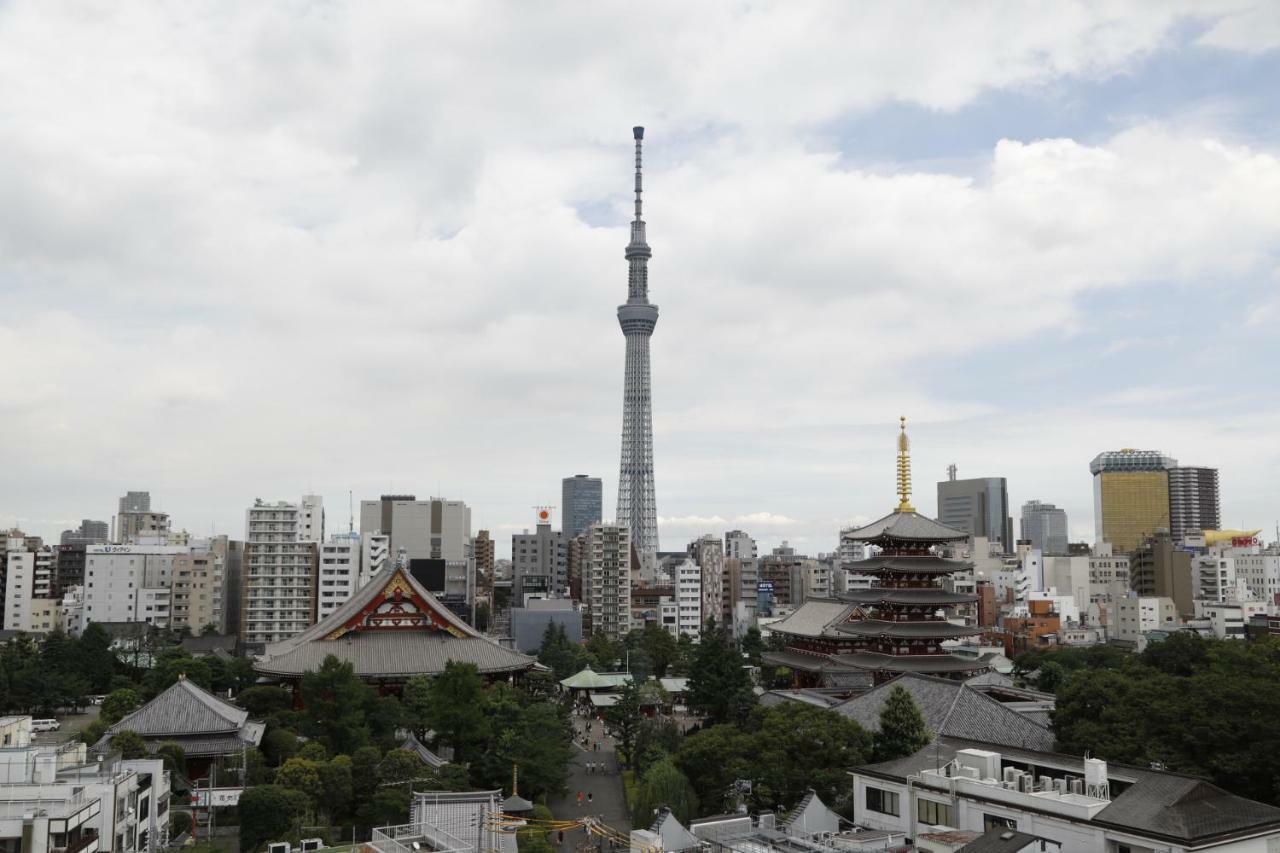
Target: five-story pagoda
(901,622)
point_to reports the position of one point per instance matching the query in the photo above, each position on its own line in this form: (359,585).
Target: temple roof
(906,630)
(187,713)
(392,628)
(905,527)
(906,596)
(909,663)
(816,617)
(897,563)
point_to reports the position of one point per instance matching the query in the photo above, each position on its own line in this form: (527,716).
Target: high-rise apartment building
(581,502)
(539,564)
(740,546)
(142,526)
(979,506)
(708,553)
(197,595)
(1130,496)
(135,502)
(1045,527)
(483,547)
(1158,567)
(341,572)
(688,599)
(278,576)
(637,501)
(436,529)
(607,579)
(1193,501)
(311,519)
(89,532)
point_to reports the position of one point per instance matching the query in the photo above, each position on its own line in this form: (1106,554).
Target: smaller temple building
(390,631)
(204,725)
(897,626)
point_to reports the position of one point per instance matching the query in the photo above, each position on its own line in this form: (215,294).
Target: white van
(45,725)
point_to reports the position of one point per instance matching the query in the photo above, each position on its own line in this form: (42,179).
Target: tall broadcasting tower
(637,507)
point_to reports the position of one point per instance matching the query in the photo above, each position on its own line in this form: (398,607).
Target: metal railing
(411,837)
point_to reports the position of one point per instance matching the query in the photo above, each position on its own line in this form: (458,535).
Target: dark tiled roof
(921,564)
(907,527)
(184,709)
(953,709)
(877,662)
(209,643)
(426,756)
(396,654)
(797,660)
(1185,808)
(815,618)
(918,596)
(924,628)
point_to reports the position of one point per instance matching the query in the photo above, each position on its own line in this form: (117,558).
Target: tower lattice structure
(637,505)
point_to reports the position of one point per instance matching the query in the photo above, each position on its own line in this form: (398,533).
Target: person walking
(588,796)
(579,799)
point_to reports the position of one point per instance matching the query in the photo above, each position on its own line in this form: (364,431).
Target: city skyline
(180,223)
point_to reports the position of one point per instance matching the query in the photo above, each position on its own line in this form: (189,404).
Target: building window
(995,821)
(884,802)
(935,814)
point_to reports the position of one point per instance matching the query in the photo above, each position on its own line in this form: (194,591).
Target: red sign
(1243,541)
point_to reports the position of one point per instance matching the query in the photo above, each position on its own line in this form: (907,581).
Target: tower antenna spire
(904,468)
(638,133)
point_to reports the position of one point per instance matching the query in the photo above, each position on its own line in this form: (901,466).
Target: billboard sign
(215,798)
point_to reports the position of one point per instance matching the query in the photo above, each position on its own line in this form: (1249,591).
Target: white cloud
(260,249)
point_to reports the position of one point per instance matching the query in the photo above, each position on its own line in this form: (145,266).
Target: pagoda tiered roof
(882,663)
(391,630)
(907,630)
(920,564)
(908,596)
(900,527)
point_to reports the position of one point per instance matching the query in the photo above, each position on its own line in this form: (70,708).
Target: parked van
(45,725)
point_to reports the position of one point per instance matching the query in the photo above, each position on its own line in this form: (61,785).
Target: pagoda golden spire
(904,469)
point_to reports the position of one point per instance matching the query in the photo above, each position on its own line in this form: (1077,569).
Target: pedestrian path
(608,799)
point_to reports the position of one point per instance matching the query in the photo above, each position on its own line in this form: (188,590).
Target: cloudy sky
(255,250)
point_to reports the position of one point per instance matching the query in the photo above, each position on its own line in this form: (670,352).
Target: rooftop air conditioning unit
(1011,775)
(968,772)
(279,847)
(310,844)
(1077,786)
(1026,785)
(1060,785)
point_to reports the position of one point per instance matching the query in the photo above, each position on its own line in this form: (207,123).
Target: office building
(539,562)
(1193,501)
(637,501)
(69,570)
(311,519)
(977,506)
(279,574)
(437,529)
(581,502)
(131,583)
(198,591)
(142,526)
(135,502)
(687,599)
(742,578)
(483,548)
(1045,527)
(89,532)
(342,571)
(1130,496)
(1159,568)
(607,579)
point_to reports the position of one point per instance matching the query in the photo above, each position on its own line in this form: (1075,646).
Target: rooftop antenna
(351,512)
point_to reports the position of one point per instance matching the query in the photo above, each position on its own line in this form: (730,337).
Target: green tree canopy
(902,728)
(664,785)
(118,705)
(625,717)
(269,813)
(453,708)
(130,744)
(719,684)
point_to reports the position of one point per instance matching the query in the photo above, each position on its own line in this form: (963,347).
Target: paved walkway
(608,798)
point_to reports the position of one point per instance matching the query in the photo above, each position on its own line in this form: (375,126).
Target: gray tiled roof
(905,595)
(184,709)
(1001,840)
(922,628)
(1185,808)
(877,662)
(920,564)
(953,709)
(425,755)
(907,526)
(396,654)
(814,618)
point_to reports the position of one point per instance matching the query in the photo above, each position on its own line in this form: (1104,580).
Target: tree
(337,705)
(482,616)
(313,751)
(399,766)
(130,744)
(337,787)
(119,705)
(299,774)
(664,785)
(96,660)
(902,728)
(264,702)
(753,646)
(556,652)
(660,647)
(655,739)
(1184,653)
(454,708)
(719,685)
(279,745)
(175,757)
(93,732)
(1050,676)
(269,813)
(533,838)
(387,807)
(171,664)
(625,717)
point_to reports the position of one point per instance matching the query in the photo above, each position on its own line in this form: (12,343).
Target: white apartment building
(130,583)
(1131,616)
(341,572)
(1106,568)
(688,599)
(607,579)
(376,550)
(815,580)
(1259,568)
(278,574)
(311,519)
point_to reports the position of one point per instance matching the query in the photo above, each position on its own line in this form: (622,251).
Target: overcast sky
(260,249)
